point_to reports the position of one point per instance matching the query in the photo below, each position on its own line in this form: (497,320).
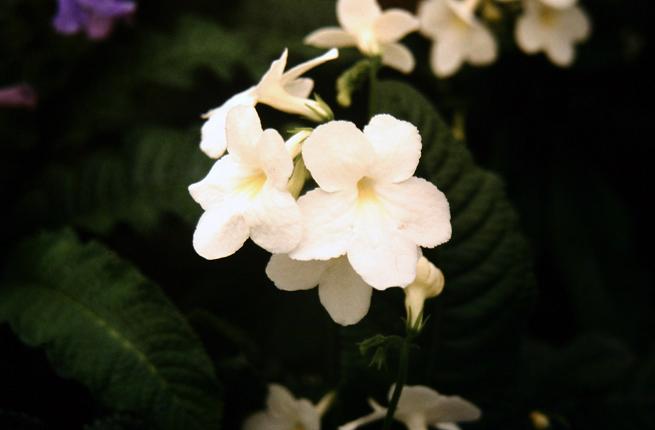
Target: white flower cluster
(419,407)
(362,227)
(458,35)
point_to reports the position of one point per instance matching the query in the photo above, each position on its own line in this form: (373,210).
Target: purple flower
(95,17)
(18,96)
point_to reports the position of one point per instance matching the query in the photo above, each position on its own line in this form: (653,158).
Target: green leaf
(147,178)
(103,324)
(471,345)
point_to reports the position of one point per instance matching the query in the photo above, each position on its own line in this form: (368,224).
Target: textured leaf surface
(471,345)
(103,324)
(148,177)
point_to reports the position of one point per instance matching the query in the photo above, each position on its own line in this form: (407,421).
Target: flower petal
(294,275)
(243,130)
(398,57)
(433,16)
(559,4)
(447,426)
(280,402)
(301,87)
(275,221)
(343,293)
(415,399)
(528,34)
(482,48)
(274,159)
(420,209)
(397,147)
(273,75)
(357,15)
(213,136)
(224,176)
(447,55)
(330,37)
(220,232)
(380,254)
(307,416)
(393,25)
(337,155)
(452,409)
(575,23)
(560,50)
(257,421)
(302,68)
(327,224)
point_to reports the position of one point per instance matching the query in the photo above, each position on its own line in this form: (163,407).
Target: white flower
(343,293)
(429,283)
(369,205)
(458,35)
(420,407)
(285,91)
(553,27)
(245,193)
(285,412)
(363,24)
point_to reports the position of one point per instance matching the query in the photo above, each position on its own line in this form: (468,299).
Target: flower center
(252,184)
(368,42)
(366,194)
(547,15)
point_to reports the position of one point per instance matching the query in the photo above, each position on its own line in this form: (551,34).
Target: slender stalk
(403,364)
(372,84)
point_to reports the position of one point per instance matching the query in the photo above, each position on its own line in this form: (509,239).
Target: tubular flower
(95,17)
(369,205)
(421,407)
(285,412)
(553,27)
(363,24)
(458,35)
(245,193)
(343,293)
(285,91)
(429,283)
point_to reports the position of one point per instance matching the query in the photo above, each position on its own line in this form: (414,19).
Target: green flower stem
(372,84)
(403,364)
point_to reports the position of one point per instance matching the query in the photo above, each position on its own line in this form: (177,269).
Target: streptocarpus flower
(458,35)
(285,412)
(245,193)
(18,96)
(553,27)
(374,32)
(343,293)
(286,91)
(95,17)
(421,407)
(369,205)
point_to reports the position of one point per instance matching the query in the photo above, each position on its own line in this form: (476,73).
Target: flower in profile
(18,96)
(286,91)
(369,206)
(285,412)
(458,35)
(95,17)
(374,32)
(343,293)
(420,407)
(245,193)
(429,283)
(552,26)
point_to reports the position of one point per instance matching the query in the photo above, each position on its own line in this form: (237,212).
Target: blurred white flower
(552,26)
(285,412)
(343,293)
(285,91)
(245,193)
(421,407)
(457,34)
(374,32)
(429,283)
(369,205)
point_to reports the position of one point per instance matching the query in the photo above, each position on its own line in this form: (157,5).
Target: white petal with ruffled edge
(293,275)
(220,232)
(343,293)
(275,221)
(397,147)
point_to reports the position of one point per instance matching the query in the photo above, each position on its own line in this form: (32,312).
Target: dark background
(572,145)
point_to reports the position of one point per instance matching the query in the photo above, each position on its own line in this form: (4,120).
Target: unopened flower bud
(294,143)
(429,283)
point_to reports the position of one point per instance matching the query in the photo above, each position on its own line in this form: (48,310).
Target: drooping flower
(369,205)
(554,27)
(245,193)
(343,293)
(18,96)
(458,35)
(95,17)
(284,412)
(286,91)
(374,32)
(420,407)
